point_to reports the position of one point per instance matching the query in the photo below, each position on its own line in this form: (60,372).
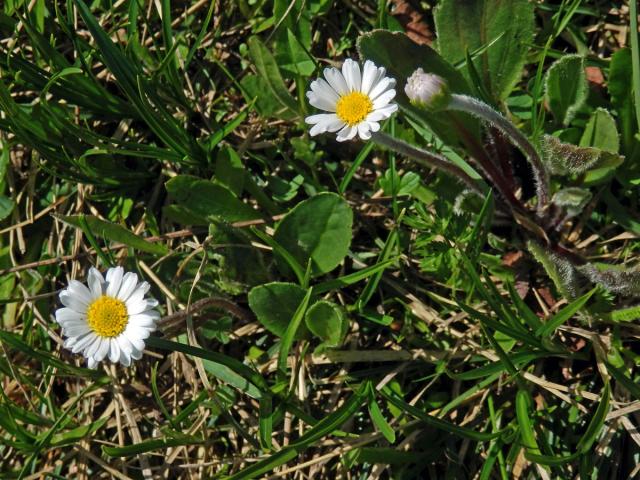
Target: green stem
(483,111)
(426,158)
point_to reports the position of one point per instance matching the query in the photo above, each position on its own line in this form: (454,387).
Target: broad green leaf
(505,28)
(297,61)
(274,304)
(566,87)
(573,199)
(283,254)
(269,72)
(114,232)
(6,207)
(620,89)
(208,201)
(615,278)
(294,15)
(565,158)
(401,57)
(327,321)
(230,171)
(601,132)
(317,229)
(562,272)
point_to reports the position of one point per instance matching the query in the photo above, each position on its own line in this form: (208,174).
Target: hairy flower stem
(483,111)
(426,158)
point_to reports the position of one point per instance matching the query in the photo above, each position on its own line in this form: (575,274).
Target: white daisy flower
(357,102)
(110,319)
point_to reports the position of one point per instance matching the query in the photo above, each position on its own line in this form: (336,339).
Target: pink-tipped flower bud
(426,90)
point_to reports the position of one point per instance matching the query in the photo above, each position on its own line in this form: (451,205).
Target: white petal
(369,76)
(84,342)
(114,350)
(124,344)
(78,295)
(336,80)
(129,282)
(322,89)
(351,72)
(382,86)
(136,302)
(114,280)
(382,113)
(96,283)
(324,122)
(136,354)
(147,319)
(347,133)
(363,131)
(94,347)
(320,102)
(68,315)
(136,335)
(103,349)
(384,99)
(125,358)
(152,303)
(91,363)
(76,330)
(374,126)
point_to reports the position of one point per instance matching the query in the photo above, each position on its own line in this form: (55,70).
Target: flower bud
(426,90)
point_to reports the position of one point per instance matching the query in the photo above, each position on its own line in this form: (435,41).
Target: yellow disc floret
(353,108)
(107,316)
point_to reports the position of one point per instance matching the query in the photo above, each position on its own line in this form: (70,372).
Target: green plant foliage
(573,199)
(274,304)
(327,321)
(564,158)
(279,101)
(114,232)
(402,57)
(620,90)
(498,31)
(566,87)
(447,317)
(317,230)
(206,202)
(601,132)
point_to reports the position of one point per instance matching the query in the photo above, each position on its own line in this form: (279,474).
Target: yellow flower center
(353,108)
(107,316)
